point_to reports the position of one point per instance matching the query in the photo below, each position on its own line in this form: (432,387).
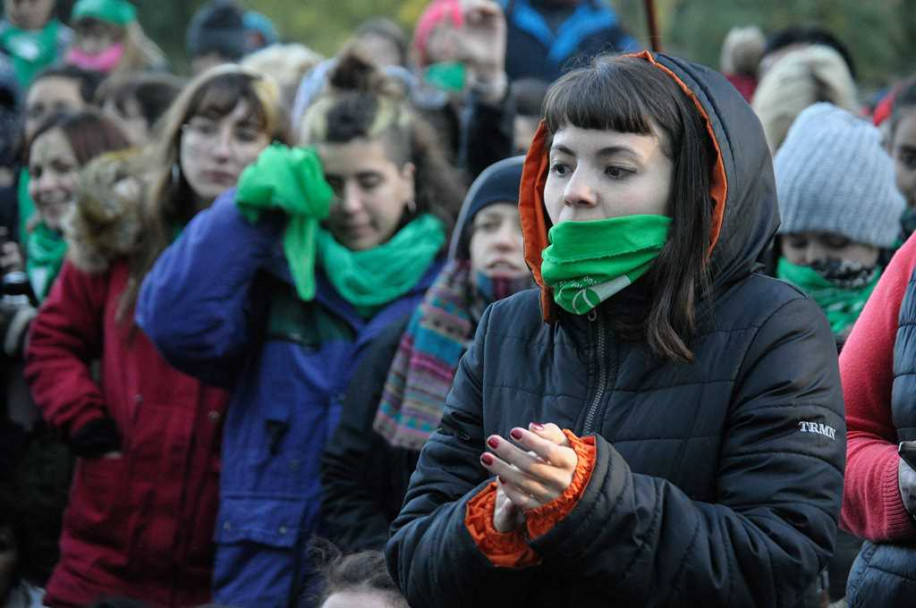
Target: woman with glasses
(144,495)
(277,290)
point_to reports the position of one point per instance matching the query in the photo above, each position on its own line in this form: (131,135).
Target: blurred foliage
(880,33)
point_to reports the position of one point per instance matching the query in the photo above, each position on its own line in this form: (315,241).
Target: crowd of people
(509,309)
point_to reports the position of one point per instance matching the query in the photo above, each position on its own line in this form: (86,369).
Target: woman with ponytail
(662,425)
(275,293)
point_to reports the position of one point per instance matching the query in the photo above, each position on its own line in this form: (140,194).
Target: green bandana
(841,305)
(588,262)
(371,278)
(292,180)
(26,205)
(448,76)
(31,51)
(118,12)
(45,250)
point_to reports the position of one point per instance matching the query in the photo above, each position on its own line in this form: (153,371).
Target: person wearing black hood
(664,424)
(394,400)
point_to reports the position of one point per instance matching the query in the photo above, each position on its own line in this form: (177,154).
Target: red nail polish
(516,434)
(487,459)
(493,442)
(537,427)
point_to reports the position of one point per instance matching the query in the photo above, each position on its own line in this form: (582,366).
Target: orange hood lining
(534,175)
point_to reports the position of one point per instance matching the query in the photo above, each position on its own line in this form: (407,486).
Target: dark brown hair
(363,572)
(89,132)
(154,92)
(630,95)
(365,103)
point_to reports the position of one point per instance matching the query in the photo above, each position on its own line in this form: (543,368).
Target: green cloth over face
(292,180)
(588,262)
(289,180)
(118,12)
(842,306)
(374,277)
(448,76)
(45,250)
(31,50)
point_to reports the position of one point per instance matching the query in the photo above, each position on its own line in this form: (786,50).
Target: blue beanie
(834,176)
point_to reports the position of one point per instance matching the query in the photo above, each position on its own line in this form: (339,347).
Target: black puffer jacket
(717,483)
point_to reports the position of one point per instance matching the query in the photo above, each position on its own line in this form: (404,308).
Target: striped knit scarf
(424,366)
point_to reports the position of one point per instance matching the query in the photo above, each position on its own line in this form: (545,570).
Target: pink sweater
(872,507)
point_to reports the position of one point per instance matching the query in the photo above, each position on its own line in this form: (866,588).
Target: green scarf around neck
(31,51)
(588,262)
(45,250)
(842,306)
(292,180)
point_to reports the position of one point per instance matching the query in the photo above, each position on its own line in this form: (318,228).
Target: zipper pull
(592,315)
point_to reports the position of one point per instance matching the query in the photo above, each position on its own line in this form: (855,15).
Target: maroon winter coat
(139,525)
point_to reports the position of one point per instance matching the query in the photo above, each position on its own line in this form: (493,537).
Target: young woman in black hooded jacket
(663,425)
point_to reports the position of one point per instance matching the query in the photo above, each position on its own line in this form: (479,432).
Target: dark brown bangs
(613,94)
(219,97)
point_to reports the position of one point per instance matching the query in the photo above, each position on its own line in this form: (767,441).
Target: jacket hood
(745,212)
(106,221)
(496,184)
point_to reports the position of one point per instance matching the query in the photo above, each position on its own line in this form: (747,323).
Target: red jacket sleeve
(872,507)
(65,337)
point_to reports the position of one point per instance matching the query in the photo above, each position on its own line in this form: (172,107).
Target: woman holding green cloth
(840,211)
(276,292)
(662,425)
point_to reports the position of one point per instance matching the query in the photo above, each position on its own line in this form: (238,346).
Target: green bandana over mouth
(588,262)
(841,305)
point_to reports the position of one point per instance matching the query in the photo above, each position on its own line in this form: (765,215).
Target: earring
(176,174)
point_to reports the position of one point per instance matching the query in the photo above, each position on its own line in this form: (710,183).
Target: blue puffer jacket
(220,305)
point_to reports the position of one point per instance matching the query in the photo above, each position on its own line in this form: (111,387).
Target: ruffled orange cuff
(540,521)
(510,549)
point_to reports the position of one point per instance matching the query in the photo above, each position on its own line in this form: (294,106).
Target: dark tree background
(881,33)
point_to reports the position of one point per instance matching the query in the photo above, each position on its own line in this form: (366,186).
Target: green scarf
(292,180)
(31,50)
(841,305)
(26,205)
(588,262)
(371,278)
(45,250)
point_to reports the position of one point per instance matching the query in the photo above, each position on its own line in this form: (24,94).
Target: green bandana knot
(841,306)
(588,262)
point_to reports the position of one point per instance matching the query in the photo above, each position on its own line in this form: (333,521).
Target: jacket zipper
(602,372)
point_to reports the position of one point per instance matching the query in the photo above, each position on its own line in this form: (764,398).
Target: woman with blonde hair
(144,495)
(799,79)
(109,39)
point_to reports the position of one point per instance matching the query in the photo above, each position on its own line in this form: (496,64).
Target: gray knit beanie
(834,176)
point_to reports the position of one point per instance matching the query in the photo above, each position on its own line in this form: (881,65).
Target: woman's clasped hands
(531,470)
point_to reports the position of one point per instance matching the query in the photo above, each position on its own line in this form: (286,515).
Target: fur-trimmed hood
(106,221)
